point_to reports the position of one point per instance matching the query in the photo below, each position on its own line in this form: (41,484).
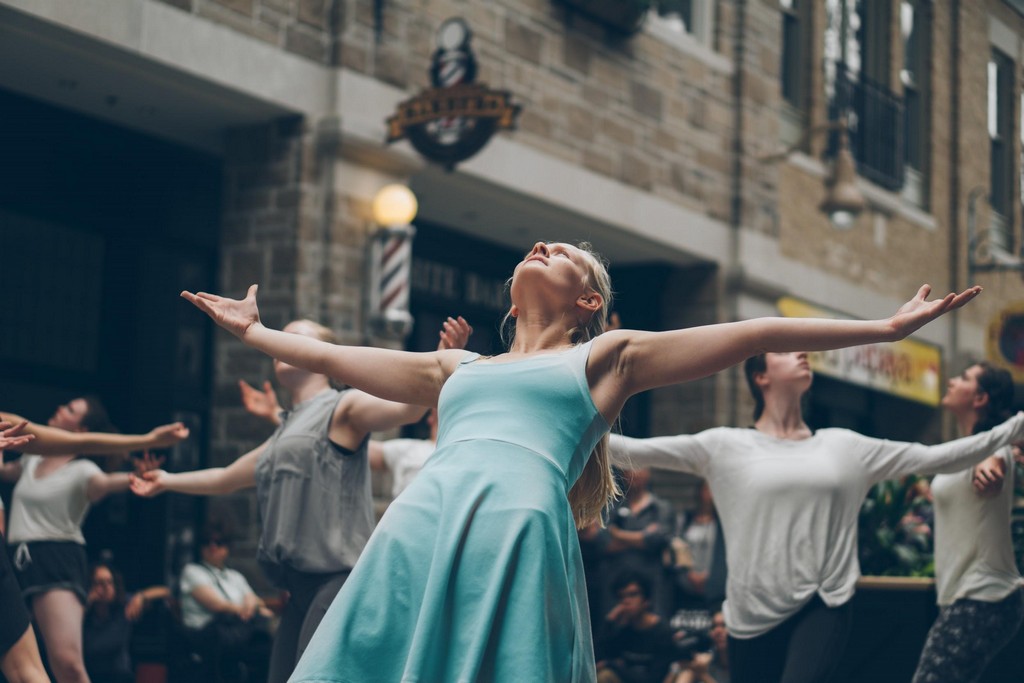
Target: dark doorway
(102,227)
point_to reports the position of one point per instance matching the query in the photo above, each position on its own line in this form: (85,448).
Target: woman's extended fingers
(964,297)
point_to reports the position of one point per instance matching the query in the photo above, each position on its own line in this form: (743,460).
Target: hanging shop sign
(457,117)
(909,368)
(1005,346)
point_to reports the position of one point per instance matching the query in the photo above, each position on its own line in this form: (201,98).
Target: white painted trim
(690,44)
(879,199)
(1004,38)
(194,45)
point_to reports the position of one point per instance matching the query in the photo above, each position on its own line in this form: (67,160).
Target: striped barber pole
(391,264)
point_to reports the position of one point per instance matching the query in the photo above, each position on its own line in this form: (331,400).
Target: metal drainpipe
(734,269)
(328,143)
(954,195)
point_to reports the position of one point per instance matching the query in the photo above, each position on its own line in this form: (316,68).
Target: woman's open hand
(918,312)
(11,436)
(168,435)
(234,315)
(263,404)
(454,334)
(148,484)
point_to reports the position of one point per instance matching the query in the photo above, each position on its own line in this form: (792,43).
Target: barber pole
(391,263)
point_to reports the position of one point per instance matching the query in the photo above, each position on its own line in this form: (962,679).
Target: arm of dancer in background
(103,484)
(893,459)
(55,441)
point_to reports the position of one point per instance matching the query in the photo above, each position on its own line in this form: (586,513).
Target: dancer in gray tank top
(312,483)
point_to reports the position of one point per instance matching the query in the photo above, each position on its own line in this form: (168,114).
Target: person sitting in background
(700,571)
(636,644)
(638,533)
(711,666)
(107,626)
(220,612)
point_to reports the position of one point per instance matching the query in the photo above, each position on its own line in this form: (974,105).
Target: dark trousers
(310,596)
(806,648)
(965,638)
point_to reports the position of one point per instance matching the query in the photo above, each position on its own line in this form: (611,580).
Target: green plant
(895,532)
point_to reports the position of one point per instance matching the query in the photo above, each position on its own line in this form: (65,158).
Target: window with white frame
(1000,133)
(793,70)
(915,33)
(692,18)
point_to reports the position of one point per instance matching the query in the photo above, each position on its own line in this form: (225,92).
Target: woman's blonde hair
(596,485)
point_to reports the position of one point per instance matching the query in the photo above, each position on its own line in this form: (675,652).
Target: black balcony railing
(876,122)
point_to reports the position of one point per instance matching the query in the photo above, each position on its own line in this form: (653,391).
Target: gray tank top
(315,502)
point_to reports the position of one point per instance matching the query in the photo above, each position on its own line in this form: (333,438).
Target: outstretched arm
(893,459)
(628,361)
(215,481)
(401,376)
(102,484)
(54,441)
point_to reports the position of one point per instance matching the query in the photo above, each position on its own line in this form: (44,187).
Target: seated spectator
(707,667)
(636,538)
(222,614)
(107,626)
(699,555)
(636,644)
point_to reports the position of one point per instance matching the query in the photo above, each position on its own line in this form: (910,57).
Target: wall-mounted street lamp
(981,257)
(390,259)
(843,199)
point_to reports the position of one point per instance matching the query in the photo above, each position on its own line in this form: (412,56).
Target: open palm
(234,315)
(918,312)
(148,484)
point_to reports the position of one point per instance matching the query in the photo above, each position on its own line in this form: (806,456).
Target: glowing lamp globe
(394,205)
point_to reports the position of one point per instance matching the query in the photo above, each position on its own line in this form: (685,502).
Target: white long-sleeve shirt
(973,543)
(789,508)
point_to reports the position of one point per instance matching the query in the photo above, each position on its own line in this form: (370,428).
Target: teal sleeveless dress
(474,572)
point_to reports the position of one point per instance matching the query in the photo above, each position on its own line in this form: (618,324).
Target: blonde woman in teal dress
(474,572)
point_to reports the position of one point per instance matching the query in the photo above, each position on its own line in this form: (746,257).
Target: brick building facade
(651,146)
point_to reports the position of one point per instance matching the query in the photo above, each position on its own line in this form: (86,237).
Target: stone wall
(307,28)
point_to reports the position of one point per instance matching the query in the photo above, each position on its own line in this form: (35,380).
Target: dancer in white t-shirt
(977,580)
(50,501)
(788,499)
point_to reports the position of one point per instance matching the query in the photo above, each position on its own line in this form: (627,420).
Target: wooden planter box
(621,17)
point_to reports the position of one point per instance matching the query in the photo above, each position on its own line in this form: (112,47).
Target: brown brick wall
(303,27)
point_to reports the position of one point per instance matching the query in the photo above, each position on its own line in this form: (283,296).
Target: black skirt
(42,566)
(16,620)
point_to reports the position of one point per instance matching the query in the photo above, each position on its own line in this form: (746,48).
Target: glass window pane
(993,98)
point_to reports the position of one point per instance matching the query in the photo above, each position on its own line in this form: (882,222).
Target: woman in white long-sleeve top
(976,575)
(789,499)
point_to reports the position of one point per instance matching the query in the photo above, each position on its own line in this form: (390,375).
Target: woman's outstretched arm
(400,376)
(214,481)
(53,441)
(645,360)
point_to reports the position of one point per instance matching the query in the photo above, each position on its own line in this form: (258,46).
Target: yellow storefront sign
(909,369)
(1005,345)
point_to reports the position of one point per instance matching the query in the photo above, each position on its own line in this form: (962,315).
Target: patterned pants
(965,638)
